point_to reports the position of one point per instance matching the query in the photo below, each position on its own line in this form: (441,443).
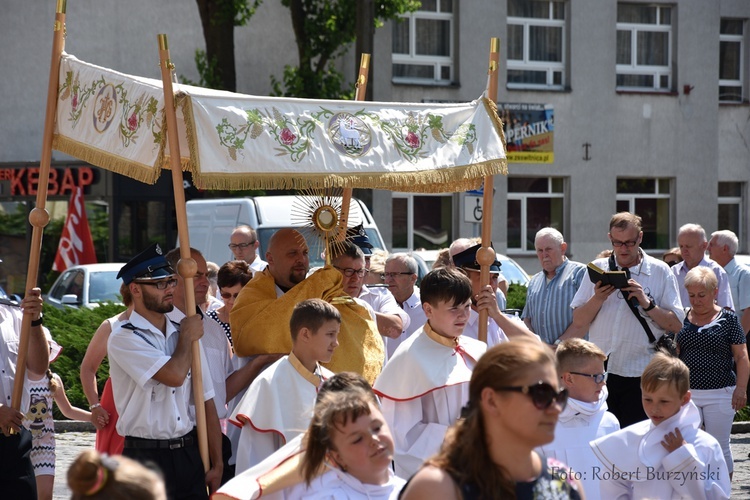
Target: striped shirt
(739,284)
(548,301)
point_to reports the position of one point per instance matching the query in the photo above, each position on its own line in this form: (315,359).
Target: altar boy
(426,381)
(668,455)
(278,404)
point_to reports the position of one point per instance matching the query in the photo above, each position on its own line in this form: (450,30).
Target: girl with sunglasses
(514,403)
(230,278)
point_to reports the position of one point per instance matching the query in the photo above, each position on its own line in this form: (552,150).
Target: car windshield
(104,286)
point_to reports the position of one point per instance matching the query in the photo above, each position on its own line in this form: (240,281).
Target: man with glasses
(350,261)
(611,322)
(547,312)
(400,275)
(260,317)
(244,246)
(150,360)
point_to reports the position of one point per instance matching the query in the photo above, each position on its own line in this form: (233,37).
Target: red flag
(76,245)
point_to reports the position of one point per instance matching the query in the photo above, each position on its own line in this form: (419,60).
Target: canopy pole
(186,267)
(359,95)
(39,217)
(486,254)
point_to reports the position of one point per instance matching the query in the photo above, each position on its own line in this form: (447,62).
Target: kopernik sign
(529,132)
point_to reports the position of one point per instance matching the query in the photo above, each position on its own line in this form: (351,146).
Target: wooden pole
(187,267)
(486,254)
(39,217)
(359,95)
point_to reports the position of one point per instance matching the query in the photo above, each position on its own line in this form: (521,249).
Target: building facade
(635,105)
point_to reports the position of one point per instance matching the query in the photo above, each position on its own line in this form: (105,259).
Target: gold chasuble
(260,322)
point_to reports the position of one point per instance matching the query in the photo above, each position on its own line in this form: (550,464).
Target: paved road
(70,444)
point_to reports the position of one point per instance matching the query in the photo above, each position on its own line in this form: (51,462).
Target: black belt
(162,444)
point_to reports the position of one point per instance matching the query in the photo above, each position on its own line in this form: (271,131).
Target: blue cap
(150,264)
(468,259)
(358,236)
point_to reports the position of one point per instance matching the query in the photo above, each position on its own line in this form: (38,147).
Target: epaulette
(130,326)
(8,302)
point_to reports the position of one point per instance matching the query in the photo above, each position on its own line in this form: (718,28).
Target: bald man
(260,317)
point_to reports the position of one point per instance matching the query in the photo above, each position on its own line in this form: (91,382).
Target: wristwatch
(651,305)
(38,322)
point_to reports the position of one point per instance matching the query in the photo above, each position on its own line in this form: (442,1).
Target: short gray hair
(728,238)
(692,228)
(550,232)
(704,276)
(408,260)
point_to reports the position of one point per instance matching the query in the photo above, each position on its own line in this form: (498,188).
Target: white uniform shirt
(218,356)
(382,301)
(258,265)
(616,330)
(495,334)
(147,408)
(417,318)
(10,330)
(724,299)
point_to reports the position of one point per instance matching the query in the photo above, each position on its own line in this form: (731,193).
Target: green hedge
(73,329)
(516,298)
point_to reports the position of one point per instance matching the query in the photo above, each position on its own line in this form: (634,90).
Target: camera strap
(633,308)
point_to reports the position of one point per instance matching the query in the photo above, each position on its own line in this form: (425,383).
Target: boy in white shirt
(426,382)
(580,364)
(667,456)
(278,404)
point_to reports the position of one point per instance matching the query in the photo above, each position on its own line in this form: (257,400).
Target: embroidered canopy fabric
(235,141)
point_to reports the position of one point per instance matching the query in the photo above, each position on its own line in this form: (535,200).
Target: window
(533,203)
(731,208)
(644,47)
(422,50)
(422,221)
(536,44)
(730,60)
(650,199)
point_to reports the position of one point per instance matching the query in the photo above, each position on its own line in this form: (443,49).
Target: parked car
(6,296)
(86,286)
(513,272)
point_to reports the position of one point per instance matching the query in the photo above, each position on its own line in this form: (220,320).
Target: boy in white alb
(277,406)
(580,364)
(668,455)
(426,382)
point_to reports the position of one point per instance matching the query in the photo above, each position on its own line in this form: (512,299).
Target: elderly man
(400,275)
(691,239)
(150,360)
(722,249)
(614,325)
(260,317)
(17,472)
(350,261)
(500,326)
(550,292)
(244,245)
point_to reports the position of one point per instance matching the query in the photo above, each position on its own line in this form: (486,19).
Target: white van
(210,223)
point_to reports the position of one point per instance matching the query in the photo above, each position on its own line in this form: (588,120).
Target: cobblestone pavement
(70,444)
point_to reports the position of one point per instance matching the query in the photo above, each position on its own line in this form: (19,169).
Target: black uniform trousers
(17,479)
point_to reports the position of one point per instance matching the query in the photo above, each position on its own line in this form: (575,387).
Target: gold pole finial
(163,44)
(364,61)
(494,44)
(62,6)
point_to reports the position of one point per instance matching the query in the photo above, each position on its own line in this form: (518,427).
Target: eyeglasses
(542,394)
(349,272)
(235,246)
(629,243)
(598,377)
(393,275)
(227,295)
(160,285)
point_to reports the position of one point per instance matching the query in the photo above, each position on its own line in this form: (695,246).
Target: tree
(324,30)
(218,18)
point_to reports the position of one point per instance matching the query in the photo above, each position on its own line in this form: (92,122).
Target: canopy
(235,141)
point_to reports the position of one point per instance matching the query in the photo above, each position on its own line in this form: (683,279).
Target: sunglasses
(227,295)
(598,377)
(542,394)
